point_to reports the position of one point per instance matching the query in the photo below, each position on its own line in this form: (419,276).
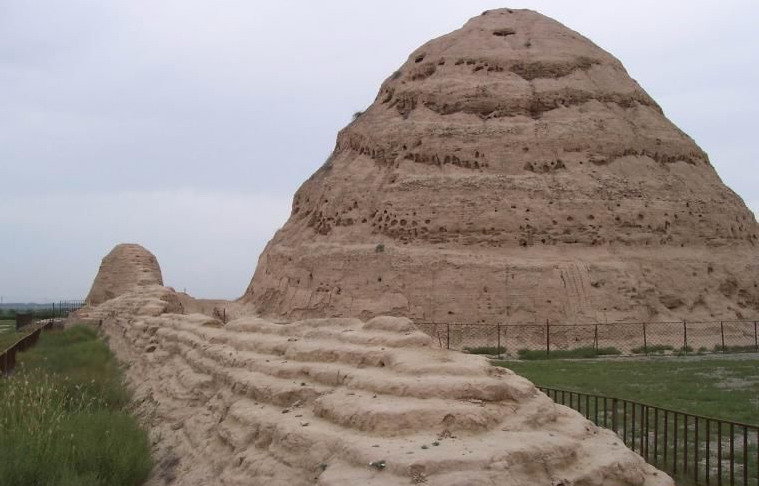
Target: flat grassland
(725,388)
(9,335)
(63,417)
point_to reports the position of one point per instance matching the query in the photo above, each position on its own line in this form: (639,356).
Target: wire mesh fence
(704,450)
(568,340)
(54,310)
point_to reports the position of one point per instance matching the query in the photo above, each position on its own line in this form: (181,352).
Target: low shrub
(655,349)
(684,350)
(491,350)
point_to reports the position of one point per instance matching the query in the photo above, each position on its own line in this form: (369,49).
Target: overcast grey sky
(187,125)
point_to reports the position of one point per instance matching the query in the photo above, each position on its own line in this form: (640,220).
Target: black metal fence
(55,310)
(66,307)
(705,450)
(630,338)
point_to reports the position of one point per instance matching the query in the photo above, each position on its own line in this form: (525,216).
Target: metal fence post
(645,340)
(448,336)
(719,452)
(722,333)
(595,337)
(695,450)
(685,338)
(498,339)
(548,338)
(732,454)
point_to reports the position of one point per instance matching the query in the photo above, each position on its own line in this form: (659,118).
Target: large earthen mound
(126,268)
(513,171)
(337,402)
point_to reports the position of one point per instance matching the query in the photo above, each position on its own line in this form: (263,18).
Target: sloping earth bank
(343,402)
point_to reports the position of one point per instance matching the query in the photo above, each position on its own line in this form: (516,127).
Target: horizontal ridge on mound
(318,401)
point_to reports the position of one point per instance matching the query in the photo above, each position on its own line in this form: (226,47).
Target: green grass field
(63,418)
(725,388)
(8,334)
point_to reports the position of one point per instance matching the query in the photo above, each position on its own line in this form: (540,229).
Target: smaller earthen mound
(126,268)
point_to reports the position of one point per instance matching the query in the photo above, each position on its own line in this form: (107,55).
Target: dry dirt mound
(344,402)
(126,268)
(513,171)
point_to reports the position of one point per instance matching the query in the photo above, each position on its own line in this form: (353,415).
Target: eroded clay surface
(513,171)
(127,267)
(343,401)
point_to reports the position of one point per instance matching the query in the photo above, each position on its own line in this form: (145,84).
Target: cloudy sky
(186,125)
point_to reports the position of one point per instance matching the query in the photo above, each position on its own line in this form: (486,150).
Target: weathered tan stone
(126,268)
(512,171)
(336,402)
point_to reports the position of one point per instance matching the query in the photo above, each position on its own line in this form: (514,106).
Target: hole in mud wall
(505,32)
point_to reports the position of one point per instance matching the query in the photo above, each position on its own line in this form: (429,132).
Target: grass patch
(10,337)
(721,388)
(577,353)
(63,419)
(40,313)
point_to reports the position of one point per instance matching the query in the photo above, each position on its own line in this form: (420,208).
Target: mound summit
(127,267)
(512,170)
